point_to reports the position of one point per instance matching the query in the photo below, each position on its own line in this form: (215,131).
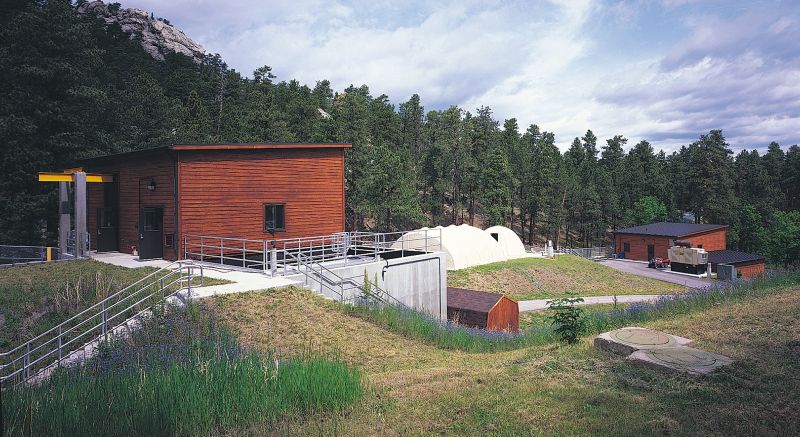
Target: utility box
(726,272)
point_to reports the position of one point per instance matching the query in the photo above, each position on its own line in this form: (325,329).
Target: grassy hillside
(540,278)
(419,389)
(35,298)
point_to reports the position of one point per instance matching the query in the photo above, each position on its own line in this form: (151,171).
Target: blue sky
(665,71)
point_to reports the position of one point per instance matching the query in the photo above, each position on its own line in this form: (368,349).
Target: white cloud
(550,63)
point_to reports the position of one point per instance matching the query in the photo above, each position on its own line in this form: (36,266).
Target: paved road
(541,304)
(640,269)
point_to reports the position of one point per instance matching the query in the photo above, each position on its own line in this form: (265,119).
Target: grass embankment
(537,329)
(37,297)
(418,388)
(181,374)
(540,278)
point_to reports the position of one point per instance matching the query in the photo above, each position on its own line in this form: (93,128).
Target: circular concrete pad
(684,359)
(640,337)
(633,338)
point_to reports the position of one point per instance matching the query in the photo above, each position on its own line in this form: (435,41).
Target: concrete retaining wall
(418,281)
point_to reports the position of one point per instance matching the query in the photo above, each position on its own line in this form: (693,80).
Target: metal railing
(72,243)
(78,337)
(25,254)
(348,289)
(590,252)
(282,257)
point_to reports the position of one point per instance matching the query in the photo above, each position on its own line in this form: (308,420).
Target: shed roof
(219,146)
(732,257)
(472,300)
(666,229)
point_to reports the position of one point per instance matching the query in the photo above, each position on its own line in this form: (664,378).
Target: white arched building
(465,245)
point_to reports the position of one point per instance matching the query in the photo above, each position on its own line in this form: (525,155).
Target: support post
(80,214)
(64,225)
(273,260)
(264,253)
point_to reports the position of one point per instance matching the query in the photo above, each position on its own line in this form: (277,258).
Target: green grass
(183,374)
(540,278)
(530,319)
(536,329)
(37,297)
(418,388)
(420,326)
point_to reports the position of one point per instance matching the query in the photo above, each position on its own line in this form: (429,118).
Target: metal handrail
(33,357)
(276,256)
(340,280)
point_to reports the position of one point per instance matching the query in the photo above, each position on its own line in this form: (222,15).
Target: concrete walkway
(641,269)
(241,281)
(541,304)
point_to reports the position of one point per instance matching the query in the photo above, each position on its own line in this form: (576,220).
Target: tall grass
(182,374)
(696,299)
(448,335)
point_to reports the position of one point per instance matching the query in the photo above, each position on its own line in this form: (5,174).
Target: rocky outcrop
(157,36)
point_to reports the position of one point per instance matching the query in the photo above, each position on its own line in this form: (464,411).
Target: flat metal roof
(666,229)
(218,146)
(732,257)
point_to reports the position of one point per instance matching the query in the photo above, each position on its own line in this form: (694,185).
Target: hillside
(91,79)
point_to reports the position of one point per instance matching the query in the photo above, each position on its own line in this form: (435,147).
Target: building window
(274,217)
(626,247)
(699,246)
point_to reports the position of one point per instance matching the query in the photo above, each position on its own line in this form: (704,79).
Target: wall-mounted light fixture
(151,186)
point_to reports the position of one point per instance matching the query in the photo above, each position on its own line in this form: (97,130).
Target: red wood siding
(751,269)
(223,192)
(504,316)
(711,240)
(133,175)
(639,244)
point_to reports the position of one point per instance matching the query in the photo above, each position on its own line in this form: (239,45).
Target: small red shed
(247,191)
(646,242)
(482,309)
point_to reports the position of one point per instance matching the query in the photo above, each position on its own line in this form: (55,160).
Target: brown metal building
(250,191)
(481,309)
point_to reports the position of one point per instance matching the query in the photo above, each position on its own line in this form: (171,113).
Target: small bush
(568,320)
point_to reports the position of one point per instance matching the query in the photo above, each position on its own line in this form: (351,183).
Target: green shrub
(569,321)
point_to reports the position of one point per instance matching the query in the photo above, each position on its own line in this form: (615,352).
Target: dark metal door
(151,234)
(106,230)
(651,252)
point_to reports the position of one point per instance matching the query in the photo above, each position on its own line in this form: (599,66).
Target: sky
(665,71)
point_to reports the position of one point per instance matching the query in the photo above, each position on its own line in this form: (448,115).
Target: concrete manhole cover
(640,336)
(680,358)
(625,341)
(684,357)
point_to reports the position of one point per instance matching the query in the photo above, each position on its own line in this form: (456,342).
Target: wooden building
(481,309)
(646,242)
(747,264)
(249,191)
